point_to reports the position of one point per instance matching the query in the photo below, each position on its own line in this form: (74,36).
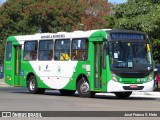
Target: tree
(18,17)
(94,13)
(27,16)
(140,15)
(52,16)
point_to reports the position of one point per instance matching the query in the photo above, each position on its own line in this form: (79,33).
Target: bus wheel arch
(83,86)
(33,85)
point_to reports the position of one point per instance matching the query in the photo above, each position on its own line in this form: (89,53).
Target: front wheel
(33,87)
(83,88)
(123,95)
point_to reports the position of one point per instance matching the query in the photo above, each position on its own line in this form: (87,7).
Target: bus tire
(83,88)
(123,95)
(67,92)
(33,87)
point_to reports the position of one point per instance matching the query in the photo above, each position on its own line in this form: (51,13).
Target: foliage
(93,14)
(140,15)
(19,17)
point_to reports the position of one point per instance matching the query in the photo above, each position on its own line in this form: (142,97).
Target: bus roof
(58,35)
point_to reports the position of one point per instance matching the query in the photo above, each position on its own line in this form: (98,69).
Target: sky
(2,1)
(117,1)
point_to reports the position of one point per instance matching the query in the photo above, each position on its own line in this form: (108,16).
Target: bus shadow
(108,97)
(57,93)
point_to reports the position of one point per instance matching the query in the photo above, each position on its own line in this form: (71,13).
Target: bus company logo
(59,69)
(47,70)
(46,67)
(39,68)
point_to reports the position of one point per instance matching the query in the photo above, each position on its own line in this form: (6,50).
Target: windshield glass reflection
(135,56)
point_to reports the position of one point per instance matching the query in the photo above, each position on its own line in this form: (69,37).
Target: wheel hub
(32,84)
(84,87)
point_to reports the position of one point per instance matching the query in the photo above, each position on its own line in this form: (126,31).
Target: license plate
(133,86)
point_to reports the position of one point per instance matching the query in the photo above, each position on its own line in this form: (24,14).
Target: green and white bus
(95,61)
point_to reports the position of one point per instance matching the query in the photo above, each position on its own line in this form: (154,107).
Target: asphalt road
(19,99)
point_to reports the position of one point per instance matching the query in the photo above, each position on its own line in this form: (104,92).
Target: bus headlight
(114,78)
(150,78)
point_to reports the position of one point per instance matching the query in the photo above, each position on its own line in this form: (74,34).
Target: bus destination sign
(127,36)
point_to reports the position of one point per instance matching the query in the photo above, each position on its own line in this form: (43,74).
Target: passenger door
(17,63)
(12,64)
(98,48)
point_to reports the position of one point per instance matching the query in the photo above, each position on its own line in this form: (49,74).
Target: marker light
(114,78)
(150,77)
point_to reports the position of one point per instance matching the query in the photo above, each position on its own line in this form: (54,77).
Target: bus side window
(79,49)
(62,49)
(30,50)
(8,51)
(45,51)
(27,56)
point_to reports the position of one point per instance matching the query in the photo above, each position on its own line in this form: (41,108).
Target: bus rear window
(9,51)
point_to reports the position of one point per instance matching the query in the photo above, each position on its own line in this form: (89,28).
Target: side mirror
(106,45)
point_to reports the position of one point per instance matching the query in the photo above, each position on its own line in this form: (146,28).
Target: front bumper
(119,87)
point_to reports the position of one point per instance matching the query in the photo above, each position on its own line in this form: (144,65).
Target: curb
(3,84)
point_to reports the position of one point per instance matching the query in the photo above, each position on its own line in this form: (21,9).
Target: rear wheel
(67,92)
(33,87)
(83,88)
(123,95)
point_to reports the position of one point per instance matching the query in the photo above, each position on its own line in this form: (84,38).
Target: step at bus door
(17,62)
(98,47)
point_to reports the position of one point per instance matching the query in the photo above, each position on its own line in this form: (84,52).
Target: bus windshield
(130,56)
